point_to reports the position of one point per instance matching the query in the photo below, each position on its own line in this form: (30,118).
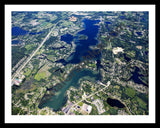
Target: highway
(30,57)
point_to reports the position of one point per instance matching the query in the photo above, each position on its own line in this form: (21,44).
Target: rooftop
(117,49)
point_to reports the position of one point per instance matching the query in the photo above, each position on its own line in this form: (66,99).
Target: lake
(57,101)
(67,38)
(17,31)
(16,42)
(126,58)
(135,77)
(114,102)
(82,46)
(139,33)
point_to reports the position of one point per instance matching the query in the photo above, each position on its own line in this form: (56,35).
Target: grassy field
(80,104)
(39,76)
(130,92)
(27,72)
(43,73)
(141,103)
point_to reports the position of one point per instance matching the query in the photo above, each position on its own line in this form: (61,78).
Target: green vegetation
(15,110)
(80,104)
(51,40)
(94,110)
(43,112)
(130,92)
(87,88)
(82,37)
(92,65)
(42,72)
(72,95)
(39,76)
(131,54)
(27,72)
(17,54)
(141,103)
(50,57)
(67,23)
(30,47)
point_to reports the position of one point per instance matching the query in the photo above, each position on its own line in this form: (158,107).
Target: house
(73,18)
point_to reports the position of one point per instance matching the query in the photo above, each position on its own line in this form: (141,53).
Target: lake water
(139,33)
(17,31)
(16,42)
(82,46)
(57,101)
(126,58)
(135,77)
(67,38)
(114,102)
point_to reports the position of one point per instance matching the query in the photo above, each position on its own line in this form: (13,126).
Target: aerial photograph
(80,63)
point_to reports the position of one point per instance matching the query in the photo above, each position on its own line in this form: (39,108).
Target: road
(30,57)
(105,86)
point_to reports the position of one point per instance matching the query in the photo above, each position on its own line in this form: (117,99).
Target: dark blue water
(139,33)
(82,49)
(108,22)
(126,58)
(67,38)
(114,102)
(15,42)
(82,46)
(146,52)
(61,61)
(135,77)
(113,33)
(16,31)
(143,19)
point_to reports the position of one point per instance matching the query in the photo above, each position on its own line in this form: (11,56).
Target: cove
(135,77)
(57,101)
(67,38)
(16,42)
